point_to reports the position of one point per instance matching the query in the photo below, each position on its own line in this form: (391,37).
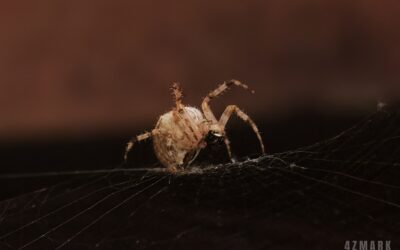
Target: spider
(180,133)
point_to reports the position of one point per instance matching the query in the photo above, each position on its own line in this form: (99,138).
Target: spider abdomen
(179,137)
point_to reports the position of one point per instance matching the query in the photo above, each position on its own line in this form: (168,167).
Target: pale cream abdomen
(176,143)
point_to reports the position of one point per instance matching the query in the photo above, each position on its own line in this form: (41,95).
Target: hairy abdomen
(177,137)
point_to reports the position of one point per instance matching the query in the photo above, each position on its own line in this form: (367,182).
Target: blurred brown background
(86,67)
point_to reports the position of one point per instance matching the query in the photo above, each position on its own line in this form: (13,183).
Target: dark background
(70,69)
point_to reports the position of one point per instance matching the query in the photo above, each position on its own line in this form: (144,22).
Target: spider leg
(230,109)
(228,148)
(216,92)
(178,95)
(132,142)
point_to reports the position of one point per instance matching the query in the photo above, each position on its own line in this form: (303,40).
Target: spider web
(314,197)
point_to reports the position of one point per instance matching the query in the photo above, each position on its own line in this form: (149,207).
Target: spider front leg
(217,92)
(234,109)
(228,148)
(132,142)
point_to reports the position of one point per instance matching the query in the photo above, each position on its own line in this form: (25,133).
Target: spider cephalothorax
(180,133)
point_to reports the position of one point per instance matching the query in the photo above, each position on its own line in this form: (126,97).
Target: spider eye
(216,134)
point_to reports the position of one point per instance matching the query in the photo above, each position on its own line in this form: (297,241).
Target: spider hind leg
(178,95)
(132,142)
